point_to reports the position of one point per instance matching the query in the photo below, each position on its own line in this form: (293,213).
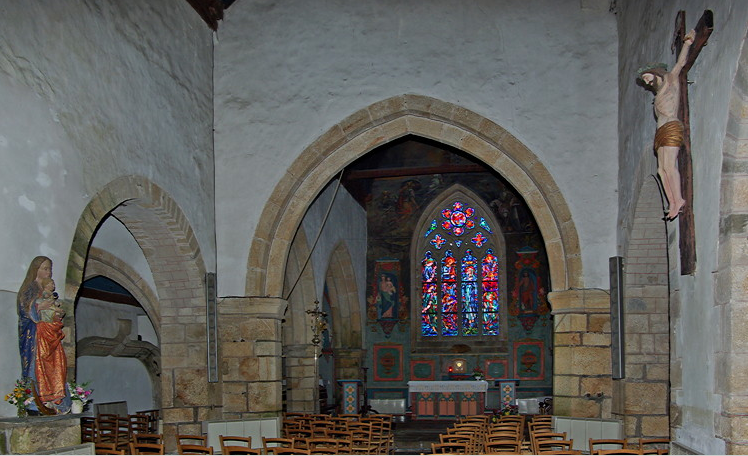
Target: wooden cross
(687,233)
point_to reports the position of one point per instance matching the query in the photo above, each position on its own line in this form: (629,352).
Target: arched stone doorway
(388,120)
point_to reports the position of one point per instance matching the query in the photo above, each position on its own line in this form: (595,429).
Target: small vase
(77,406)
(22,412)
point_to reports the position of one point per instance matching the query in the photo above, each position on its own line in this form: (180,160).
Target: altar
(447,399)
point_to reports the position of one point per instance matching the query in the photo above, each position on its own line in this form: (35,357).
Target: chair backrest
(606,444)
(275,442)
(146,448)
(503,446)
(88,429)
(235,440)
(534,437)
(654,446)
(450,448)
(148,438)
(284,450)
(194,449)
(553,445)
(621,451)
(239,449)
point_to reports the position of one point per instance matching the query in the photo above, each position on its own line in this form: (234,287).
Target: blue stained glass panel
(428,268)
(469,267)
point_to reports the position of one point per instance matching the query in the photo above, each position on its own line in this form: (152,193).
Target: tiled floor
(416,436)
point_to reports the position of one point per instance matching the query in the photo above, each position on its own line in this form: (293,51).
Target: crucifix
(672,142)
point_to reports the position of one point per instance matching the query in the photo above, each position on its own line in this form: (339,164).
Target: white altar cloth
(453,386)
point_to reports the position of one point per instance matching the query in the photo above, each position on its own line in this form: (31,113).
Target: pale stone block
(264,396)
(562,362)
(596,339)
(658,372)
(178,415)
(566,385)
(599,323)
(635,371)
(646,398)
(190,386)
(594,385)
(656,426)
(567,338)
(591,360)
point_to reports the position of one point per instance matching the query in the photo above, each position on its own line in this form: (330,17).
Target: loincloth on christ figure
(669,135)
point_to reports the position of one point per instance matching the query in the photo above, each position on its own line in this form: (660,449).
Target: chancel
(233,218)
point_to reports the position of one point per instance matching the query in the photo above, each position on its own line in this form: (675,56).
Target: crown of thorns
(649,67)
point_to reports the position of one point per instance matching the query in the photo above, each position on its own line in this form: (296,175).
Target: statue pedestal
(37,434)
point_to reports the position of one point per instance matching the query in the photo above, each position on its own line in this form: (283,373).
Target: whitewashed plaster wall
(346,223)
(287,71)
(113,237)
(114,378)
(91,91)
(646,30)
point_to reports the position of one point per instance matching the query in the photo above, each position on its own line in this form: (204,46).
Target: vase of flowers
(478,373)
(21,396)
(80,396)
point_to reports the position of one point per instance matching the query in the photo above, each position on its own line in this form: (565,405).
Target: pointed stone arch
(386,121)
(165,236)
(730,297)
(347,314)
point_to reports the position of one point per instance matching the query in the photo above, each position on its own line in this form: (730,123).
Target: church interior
(250,209)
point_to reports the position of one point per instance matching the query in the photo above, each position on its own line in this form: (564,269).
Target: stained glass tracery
(460,292)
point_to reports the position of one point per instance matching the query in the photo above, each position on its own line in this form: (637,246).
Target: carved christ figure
(670,130)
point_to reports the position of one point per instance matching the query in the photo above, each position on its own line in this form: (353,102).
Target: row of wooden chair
(118,430)
(354,434)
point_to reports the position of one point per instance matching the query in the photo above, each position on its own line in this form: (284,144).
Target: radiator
(389,406)
(267,427)
(584,429)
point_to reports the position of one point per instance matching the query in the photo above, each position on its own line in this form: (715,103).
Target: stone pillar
(582,385)
(301,378)
(250,356)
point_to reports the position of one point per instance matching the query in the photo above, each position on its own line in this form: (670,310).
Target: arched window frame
(421,244)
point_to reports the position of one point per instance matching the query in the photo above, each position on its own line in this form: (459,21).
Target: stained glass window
(460,281)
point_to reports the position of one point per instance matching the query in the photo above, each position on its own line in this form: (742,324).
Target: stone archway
(168,243)
(730,298)
(391,119)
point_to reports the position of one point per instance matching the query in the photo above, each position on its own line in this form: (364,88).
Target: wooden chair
(450,448)
(146,448)
(193,444)
(231,443)
(110,431)
(535,437)
(344,438)
(553,445)
(621,451)
(562,452)
(154,415)
(471,441)
(195,449)
(510,446)
(322,445)
(661,446)
(139,424)
(606,444)
(240,449)
(88,429)
(284,450)
(148,438)
(275,442)
(107,448)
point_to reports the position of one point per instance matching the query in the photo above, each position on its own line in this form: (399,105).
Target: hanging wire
(319,233)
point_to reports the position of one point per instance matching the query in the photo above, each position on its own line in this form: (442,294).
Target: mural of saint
(387,296)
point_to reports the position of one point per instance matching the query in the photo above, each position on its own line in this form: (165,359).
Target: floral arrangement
(79,392)
(478,373)
(21,396)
